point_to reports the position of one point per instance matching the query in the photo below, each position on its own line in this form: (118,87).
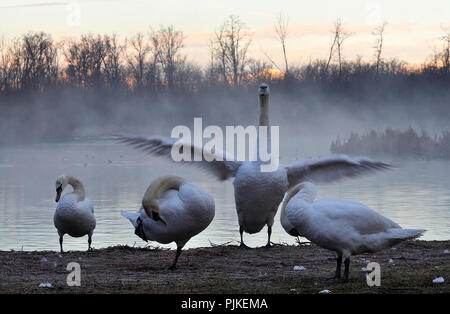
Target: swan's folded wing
(331,169)
(160,146)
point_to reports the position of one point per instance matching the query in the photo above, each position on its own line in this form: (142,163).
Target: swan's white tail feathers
(404,234)
(132,217)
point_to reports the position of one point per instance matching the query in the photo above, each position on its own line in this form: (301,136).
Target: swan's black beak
(263,90)
(139,230)
(58,193)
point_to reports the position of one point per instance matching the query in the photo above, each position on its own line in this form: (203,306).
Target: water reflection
(415,195)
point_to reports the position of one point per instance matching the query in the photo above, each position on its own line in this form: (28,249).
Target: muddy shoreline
(408,268)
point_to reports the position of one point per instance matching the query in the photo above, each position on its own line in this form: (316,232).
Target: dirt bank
(409,268)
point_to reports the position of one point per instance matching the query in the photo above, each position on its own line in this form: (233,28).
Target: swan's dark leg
(89,242)
(241,231)
(61,242)
(338,267)
(269,233)
(347,267)
(174,265)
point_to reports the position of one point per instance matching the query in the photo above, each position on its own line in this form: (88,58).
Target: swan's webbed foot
(244,246)
(172,267)
(268,245)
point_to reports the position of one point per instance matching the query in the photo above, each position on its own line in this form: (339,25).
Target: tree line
(154,62)
(408,143)
(50,89)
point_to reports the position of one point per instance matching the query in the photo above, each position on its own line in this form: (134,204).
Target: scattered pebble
(391,260)
(394,248)
(293,290)
(363,269)
(299,267)
(445,251)
(438,280)
(325,291)
(46,285)
(436,267)
(44,260)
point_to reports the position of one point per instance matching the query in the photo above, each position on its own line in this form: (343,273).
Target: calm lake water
(416,195)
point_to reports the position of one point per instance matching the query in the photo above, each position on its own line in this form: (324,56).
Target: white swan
(173,210)
(74,214)
(258,194)
(343,226)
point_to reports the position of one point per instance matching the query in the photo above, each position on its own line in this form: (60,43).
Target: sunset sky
(413,31)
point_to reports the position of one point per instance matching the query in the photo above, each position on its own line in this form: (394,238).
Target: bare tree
(212,73)
(5,66)
(113,67)
(220,52)
(339,37)
(446,49)
(85,61)
(231,44)
(281,29)
(37,61)
(137,59)
(259,71)
(167,43)
(379,34)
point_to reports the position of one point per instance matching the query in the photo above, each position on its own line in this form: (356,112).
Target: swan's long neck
(156,188)
(289,194)
(78,187)
(264,121)
(305,190)
(264,110)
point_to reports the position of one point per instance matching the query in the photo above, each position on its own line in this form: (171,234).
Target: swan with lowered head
(74,214)
(258,194)
(343,226)
(173,210)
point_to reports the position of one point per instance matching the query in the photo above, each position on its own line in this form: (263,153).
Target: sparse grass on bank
(225,269)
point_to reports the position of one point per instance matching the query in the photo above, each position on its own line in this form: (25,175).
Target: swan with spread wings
(258,194)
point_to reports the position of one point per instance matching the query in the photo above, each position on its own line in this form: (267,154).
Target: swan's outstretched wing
(160,146)
(331,169)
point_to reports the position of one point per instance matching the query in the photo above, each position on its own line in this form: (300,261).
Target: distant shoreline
(396,143)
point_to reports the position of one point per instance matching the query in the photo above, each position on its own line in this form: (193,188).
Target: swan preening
(258,194)
(74,214)
(173,210)
(345,227)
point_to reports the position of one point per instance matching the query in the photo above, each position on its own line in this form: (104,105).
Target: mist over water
(415,195)
(63,133)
